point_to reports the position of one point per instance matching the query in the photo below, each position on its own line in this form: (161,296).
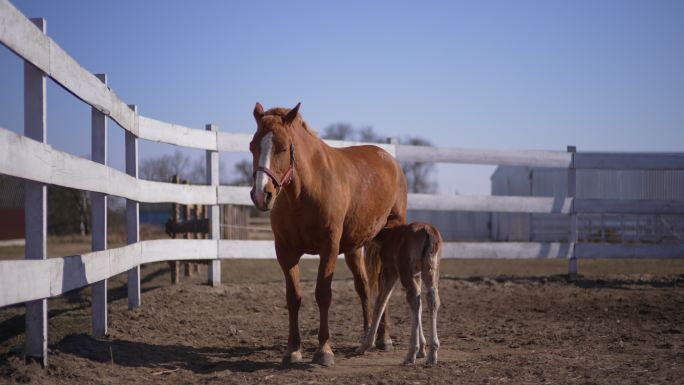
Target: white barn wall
(511,181)
(455,225)
(591,184)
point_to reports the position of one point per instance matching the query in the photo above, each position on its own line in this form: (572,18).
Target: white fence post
(35,204)
(98,215)
(133,216)
(572,236)
(214,219)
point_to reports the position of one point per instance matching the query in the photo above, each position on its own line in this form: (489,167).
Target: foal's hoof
(292,358)
(323,358)
(385,346)
(421,352)
(431,359)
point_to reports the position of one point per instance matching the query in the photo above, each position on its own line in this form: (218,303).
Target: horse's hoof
(421,353)
(385,346)
(292,358)
(326,359)
(408,361)
(361,350)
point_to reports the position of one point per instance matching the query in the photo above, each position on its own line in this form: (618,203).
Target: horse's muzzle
(261,201)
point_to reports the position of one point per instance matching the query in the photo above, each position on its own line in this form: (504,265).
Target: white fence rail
(29,157)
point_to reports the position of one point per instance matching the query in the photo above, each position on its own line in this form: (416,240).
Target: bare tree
(198,171)
(68,211)
(243,173)
(419,174)
(162,168)
(339,131)
(367,134)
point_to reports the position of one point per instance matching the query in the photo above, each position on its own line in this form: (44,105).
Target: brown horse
(409,253)
(323,201)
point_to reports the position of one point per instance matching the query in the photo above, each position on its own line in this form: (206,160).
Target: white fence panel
(159,131)
(486,203)
(629,206)
(474,156)
(629,251)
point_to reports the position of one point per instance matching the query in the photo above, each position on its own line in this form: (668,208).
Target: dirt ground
(500,322)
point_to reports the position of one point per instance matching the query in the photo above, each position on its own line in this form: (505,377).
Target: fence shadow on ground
(581,281)
(198,360)
(16,325)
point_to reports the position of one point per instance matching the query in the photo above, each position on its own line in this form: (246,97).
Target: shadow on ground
(16,325)
(198,360)
(581,281)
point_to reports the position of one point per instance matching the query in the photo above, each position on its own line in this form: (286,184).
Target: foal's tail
(373,263)
(431,250)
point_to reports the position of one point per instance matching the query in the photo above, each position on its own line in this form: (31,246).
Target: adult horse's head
(273,154)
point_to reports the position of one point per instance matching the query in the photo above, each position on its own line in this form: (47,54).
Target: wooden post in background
(214,220)
(98,215)
(572,236)
(35,204)
(132,217)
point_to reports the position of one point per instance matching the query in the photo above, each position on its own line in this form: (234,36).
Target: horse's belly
(358,231)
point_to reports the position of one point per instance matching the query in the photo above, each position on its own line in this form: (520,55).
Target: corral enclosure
(33,280)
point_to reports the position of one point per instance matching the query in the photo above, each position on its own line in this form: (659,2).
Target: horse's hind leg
(354,260)
(373,261)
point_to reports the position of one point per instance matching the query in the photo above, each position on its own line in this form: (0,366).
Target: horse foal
(409,253)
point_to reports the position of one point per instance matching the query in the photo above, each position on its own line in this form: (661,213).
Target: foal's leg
(431,278)
(384,341)
(385,287)
(289,263)
(413,299)
(324,354)
(421,335)
(354,260)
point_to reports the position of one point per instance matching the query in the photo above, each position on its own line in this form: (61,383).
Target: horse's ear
(290,117)
(258,111)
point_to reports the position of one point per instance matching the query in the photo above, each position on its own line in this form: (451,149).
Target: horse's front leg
(324,354)
(289,263)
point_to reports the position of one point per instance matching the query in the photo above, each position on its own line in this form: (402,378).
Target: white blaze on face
(266,147)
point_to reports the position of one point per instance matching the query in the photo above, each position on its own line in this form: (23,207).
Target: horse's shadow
(196,359)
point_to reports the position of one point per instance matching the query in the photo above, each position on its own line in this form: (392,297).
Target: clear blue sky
(601,75)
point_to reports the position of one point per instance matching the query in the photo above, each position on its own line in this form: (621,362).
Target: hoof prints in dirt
(514,330)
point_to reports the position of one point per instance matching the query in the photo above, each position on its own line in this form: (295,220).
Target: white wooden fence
(29,157)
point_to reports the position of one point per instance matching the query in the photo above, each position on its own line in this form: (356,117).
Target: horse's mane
(280,112)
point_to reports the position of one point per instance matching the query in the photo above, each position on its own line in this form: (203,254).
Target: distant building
(591,184)
(456,225)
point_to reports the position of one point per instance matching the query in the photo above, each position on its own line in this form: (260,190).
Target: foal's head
(273,153)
